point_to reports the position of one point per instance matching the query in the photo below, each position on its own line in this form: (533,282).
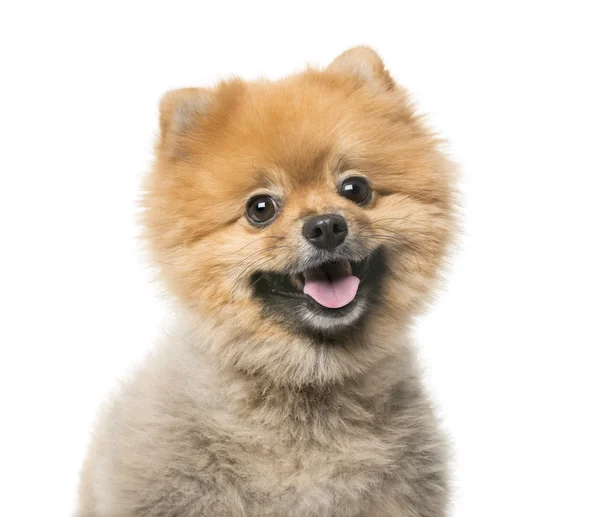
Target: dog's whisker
(262,252)
(280,237)
(258,253)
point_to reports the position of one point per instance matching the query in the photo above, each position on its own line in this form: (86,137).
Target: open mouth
(327,296)
(331,285)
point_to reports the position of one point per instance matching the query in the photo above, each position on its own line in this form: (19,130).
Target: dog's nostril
(338,228)
(318,232)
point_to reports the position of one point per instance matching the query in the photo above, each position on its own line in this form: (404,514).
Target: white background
(511,347)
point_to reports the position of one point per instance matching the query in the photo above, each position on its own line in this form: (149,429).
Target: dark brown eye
(356,190)
(261,209)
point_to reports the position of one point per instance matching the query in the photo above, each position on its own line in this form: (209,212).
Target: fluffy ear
(180,110)
(365,64)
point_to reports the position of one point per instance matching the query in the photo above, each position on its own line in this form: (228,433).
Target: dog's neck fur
(313,411)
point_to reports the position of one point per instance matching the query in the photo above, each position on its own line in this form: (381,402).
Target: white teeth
(297,281)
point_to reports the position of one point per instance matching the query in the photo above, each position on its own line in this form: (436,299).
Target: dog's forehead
(298,134)
(289,134)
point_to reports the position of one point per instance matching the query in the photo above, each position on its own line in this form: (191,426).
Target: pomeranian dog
(300,225)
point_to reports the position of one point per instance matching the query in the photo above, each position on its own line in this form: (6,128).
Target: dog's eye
(261,209)
(356,189)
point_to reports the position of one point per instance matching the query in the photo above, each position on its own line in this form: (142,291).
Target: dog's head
(306,219)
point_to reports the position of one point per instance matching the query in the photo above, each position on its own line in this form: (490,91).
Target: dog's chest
(328,479)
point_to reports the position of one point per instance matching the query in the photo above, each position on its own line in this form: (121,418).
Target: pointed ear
(180,110)
(365,64)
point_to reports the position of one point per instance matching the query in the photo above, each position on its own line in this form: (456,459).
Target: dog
(300,225)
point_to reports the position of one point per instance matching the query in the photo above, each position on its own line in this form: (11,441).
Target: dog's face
(303,218)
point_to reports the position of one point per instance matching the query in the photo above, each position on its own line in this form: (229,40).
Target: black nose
(326,231)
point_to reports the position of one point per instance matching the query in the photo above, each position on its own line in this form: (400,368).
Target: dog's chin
(283,298)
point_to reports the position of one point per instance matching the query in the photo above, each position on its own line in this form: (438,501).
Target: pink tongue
(332,294)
